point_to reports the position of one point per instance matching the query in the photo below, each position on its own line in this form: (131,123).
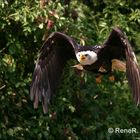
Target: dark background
(82,109)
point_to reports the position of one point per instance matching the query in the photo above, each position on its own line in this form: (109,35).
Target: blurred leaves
(82,109)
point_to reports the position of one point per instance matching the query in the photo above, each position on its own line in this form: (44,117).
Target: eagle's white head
(86,57)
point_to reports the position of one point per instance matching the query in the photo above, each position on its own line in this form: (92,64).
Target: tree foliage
(82,109)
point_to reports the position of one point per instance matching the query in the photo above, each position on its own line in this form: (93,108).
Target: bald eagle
(59,48)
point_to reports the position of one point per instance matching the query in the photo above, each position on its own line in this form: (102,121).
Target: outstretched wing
(55,52)
(117,46)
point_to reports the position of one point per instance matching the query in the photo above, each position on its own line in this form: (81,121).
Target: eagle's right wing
(55,52)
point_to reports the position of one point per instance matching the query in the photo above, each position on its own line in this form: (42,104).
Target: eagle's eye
(86,55)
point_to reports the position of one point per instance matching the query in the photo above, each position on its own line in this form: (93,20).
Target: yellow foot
(98,79)
(112,78)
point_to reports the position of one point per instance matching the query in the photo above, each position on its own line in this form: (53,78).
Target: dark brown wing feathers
(113,46)
(133,72)
(56,50)
(117,46)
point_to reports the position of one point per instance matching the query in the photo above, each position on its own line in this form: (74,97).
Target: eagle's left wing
(117,46)
(133,71)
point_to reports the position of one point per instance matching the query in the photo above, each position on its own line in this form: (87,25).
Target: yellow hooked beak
(82,57)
